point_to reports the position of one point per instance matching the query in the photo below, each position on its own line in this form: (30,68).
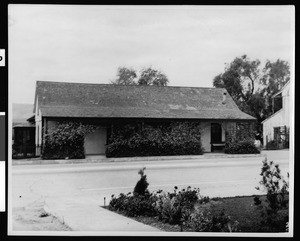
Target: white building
(276,127)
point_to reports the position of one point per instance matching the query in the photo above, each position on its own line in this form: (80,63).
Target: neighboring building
(276,127)
(23,131)
(105,105)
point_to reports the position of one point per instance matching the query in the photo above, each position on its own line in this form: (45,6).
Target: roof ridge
(138,86)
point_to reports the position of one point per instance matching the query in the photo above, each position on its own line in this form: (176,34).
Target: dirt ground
(34,218)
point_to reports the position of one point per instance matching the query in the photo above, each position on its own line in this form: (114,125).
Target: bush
(272,145)
(133,205)
(243,147)
(203,221)
(66,141)
(140,203)
(168,209)
(142,185)
(176,139)
(241,140)
(277,189)
(175,207)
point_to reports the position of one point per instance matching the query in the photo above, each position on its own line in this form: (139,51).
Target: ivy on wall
(178,138)
(66,141)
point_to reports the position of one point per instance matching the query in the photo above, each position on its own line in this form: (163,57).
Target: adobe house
(105,105)
(276,127)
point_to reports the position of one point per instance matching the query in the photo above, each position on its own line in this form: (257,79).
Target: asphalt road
(215,178)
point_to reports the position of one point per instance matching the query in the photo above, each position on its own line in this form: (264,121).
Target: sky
(190,44)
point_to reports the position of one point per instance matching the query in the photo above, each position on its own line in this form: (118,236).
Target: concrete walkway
(104,159)
(82,214)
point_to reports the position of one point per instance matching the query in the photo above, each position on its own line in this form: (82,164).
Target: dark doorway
(216,137)
(216,133)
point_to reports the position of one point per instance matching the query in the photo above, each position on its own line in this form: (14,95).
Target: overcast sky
(190,44)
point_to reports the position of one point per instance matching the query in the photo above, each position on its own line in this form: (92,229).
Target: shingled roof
(61,99)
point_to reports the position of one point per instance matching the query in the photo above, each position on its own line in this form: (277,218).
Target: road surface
(215,178)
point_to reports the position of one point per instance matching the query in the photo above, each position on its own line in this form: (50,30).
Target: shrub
(272,145)
(277,189)
(176,207)
(176,139)
(142,185)
(168,209)
(241,141)
(66,141)
(243,147)
(203,221)
(140,203)
(133,205)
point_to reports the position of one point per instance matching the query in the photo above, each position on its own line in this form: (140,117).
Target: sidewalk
(84,214)
(104,159)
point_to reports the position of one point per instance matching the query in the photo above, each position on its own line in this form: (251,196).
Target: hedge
(66,141)
(176,139)
(241,141)
(243,147)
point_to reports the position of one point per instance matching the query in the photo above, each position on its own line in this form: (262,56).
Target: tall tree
(151,76)
(241,79)
(125,76)
(276,75)
(252,86)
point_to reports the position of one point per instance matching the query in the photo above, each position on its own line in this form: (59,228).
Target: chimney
(224,98)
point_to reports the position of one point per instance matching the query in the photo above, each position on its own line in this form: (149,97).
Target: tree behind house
(148,76)
(252,86)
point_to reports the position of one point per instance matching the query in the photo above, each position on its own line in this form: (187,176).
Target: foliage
(204,221)
(276,75)
(140,203)
(176,139)
(251,86)
(66,141)
(148,76)
(277,189)
(243,147)
(151,76)
(142,185)
(240,141)
(176,207)
(133,205)
(125,76)
(272,145)
(168,209)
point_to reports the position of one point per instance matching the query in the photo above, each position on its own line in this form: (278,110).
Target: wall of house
(205,136)
(95,142)
(280,118)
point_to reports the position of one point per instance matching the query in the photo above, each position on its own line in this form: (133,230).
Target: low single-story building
(105,105)
(276,127)
(23,131)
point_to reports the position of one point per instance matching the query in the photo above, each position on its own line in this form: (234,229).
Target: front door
(216,133)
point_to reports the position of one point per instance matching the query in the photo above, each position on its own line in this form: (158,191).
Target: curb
(133,159)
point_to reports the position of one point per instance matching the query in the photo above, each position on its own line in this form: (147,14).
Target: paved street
(214,177)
